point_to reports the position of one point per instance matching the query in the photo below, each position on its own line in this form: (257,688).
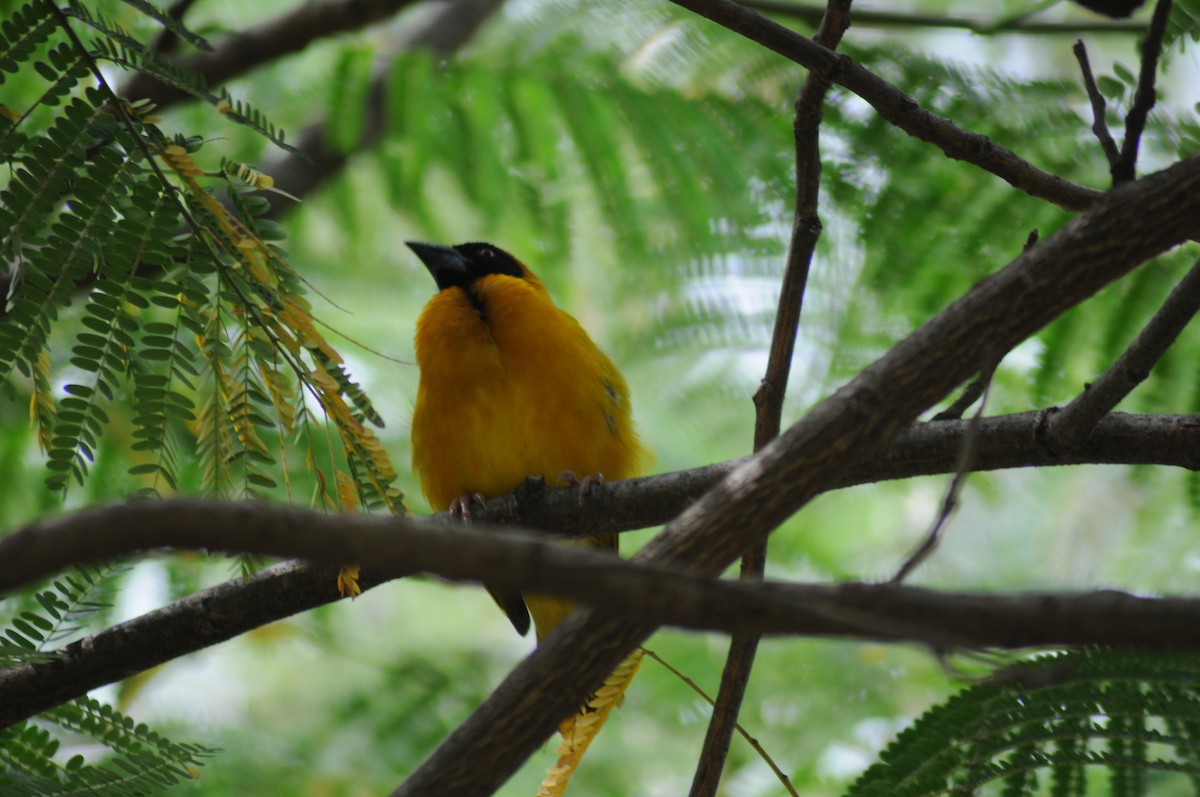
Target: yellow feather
(524,392)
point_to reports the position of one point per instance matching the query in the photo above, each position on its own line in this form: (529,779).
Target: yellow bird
(511,387)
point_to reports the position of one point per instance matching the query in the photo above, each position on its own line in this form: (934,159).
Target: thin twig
(878,18)
(1143,99)
(1073,423)
(966,463)
(1099,123)
(768,400)
(758,748)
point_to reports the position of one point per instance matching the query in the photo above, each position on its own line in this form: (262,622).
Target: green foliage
(154,301)
(142,763)
(1057,720)
(96,199)
(49,616)
(508,133)
(1183,23)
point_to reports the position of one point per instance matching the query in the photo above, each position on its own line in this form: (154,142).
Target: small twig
(969,396)
(879,18)
(1099,123)
(1073,423)
(758,748)
(1143,99)
(966,463)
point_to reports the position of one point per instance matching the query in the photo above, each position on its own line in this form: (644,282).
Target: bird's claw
(460,507)
(585,484)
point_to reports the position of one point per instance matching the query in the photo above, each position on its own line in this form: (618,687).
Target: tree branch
(895,106)
(446,31)
(1073,422)
(966,464)
(845,429)
(768,399)
(228,610)
(1143,99)
(1099,123)
(268,41)
(519,562)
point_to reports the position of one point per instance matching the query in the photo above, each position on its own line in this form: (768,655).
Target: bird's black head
(459,266)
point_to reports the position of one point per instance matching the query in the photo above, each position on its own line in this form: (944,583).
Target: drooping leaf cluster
(145,294)
(1064,724)
(47,617)
(171,297)
(139,761)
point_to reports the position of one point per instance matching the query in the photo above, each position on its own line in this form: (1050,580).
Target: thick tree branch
(228,610)
(822,448)
(894,106)
(768,400)
(1074,421)
(520,562)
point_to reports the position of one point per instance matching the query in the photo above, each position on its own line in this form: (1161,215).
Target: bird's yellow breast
(512,387)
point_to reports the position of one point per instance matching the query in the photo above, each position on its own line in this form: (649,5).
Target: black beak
(445,263)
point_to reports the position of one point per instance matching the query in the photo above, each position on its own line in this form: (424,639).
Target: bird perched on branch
(511,387)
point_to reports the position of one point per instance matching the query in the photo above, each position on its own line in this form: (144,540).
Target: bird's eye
(487,251)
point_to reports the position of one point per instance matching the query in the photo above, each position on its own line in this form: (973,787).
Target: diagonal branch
(246,50)
(846,428)
(1074,421)
(444,32)
(896,107)
(768,400)
(1144,98)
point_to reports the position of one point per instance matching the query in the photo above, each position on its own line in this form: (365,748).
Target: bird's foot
(460,507)
(585,484)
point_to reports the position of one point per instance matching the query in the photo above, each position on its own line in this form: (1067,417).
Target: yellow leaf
(579,730)
(347,492)
(347,581)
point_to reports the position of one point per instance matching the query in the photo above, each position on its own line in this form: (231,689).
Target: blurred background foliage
(640,161)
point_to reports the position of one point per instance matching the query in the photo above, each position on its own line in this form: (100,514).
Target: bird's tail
(579,729)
